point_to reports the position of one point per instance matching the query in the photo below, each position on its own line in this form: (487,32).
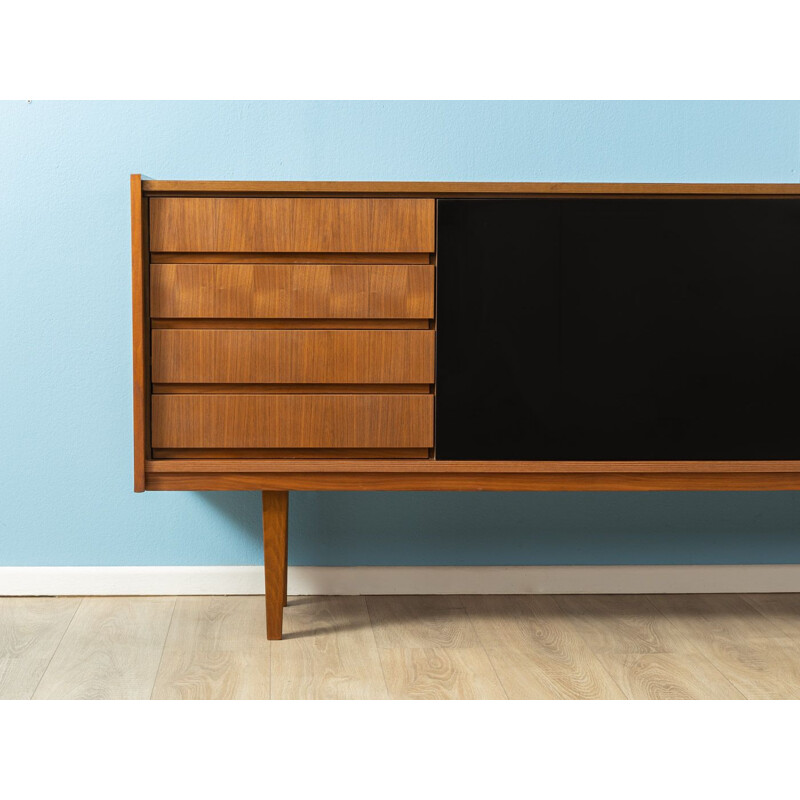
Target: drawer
(289,225)
(292,356)
(292,421)
(292,291)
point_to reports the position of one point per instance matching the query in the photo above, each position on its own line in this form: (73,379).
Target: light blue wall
(66,493)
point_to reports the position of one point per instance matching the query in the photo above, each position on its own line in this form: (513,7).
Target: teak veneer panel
(489,467)
(141,330)
(292,388)
(466,188)
(209,356)
(338,323)
(291,258)
(198,453)
(296,420)
(316,481)
(292,291)
(431,475)
(304,225)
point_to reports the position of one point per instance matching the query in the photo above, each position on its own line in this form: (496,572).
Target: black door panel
(631,329)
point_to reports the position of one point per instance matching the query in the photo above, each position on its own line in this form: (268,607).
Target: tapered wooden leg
(275,512)
(286,561)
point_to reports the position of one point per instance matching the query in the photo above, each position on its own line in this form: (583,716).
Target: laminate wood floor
(416,647)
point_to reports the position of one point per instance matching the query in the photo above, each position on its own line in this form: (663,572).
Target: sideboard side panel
(140,262)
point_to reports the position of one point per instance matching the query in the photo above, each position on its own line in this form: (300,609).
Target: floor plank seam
(698,651)
(693,647)
(760,611)
(55,649)
(483,646)
(365,599)
(576,630)
(163,649)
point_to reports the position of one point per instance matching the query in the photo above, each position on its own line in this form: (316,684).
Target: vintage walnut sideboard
(385,336)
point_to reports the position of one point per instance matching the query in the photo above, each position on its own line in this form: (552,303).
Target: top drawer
(291,225)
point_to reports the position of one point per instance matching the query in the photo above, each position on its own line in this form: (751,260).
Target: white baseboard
(679,579)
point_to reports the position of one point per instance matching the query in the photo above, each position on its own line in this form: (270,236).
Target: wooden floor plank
(622,624)
(643,651)
(668,676)
(30,631)
(429,649)
(216,650)
(110,651)
(754,654)
(536,651)
(533,646)
(783,610)
(327,652)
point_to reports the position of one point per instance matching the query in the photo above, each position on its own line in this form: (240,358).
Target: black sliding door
(631,329)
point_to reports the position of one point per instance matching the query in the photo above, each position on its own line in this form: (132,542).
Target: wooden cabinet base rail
(327,336)
(474,482)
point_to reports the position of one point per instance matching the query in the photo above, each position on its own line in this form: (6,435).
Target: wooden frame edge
(429,466)
(462,189)
(141,331)
(454,482)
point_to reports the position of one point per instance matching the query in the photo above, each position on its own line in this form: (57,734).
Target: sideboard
(349,336)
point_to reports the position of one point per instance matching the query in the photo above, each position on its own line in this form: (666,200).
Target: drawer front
(287,225)
(292,421)
(292,356)
(292,291)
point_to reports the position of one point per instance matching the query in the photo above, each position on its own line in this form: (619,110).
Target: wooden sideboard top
(462,189)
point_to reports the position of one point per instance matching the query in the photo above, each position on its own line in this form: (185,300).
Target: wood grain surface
(536,652)
(275,525)
(667,676)
(465,188)
(190,356)
(31,628)
(282,225)
(292,291)
(782,609)
(313,479)
(292,258)
(140,284)
(111,650)
(697,647)
(297,452)
(294,420)
(292,388)
(429,650)
(303,324)
(756,656)
(433,475)
(215,650)
(634,468)
(328,652)
(622,624)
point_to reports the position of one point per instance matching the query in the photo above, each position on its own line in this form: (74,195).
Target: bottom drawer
(292,421)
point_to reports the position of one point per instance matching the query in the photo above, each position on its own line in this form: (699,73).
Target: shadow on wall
(240,510)
(514,528)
